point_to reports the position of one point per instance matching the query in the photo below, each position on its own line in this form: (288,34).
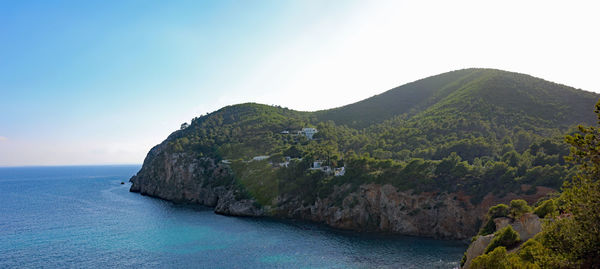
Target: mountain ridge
(452,82)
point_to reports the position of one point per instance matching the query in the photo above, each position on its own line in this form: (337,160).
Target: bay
(83,217)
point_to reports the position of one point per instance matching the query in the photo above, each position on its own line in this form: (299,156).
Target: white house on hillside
(340,171)
(317,164)
(260,158)
(309,132)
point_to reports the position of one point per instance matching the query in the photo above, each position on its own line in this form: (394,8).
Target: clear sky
(100,82)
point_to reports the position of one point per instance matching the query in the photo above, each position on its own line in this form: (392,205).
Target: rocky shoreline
(181,178)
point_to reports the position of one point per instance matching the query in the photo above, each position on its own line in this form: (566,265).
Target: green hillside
(476,130)
(454,92)
(570,233)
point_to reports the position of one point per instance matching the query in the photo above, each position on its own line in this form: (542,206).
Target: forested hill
(489,93)
(472,130)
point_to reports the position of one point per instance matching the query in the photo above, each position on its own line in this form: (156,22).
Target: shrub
(499,210)
(493,260)
(518,208)
(506,237)
(488,228)
(546,208)
(531,256)
(531,250)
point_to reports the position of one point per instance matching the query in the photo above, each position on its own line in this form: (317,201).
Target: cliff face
(182,178)
(383,208)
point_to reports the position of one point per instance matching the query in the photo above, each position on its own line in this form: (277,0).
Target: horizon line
(66,165)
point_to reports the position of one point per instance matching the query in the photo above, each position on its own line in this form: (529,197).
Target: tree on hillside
(577,235)
(572,239)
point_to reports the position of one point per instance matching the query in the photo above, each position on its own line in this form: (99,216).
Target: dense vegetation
(505,237)
(570,236)
(475,130)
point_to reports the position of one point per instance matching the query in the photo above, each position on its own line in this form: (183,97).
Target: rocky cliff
(527,226)
(182,178)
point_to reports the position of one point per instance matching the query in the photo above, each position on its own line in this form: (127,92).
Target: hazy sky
(100,82)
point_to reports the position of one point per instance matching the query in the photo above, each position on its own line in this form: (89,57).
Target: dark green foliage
(493,260)
(531,250)
(488,228)
(472,130)
(518,208)
(576,235)
(506,237)
(550,176)
(546,209)
(499,210)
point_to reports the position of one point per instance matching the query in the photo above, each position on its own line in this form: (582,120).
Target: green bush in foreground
(547,208)
(518,208)
(488,228)
(500,259)
(497,211)
(493,260)
(532,253)
(506,237)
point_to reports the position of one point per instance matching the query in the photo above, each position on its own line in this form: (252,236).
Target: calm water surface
(83,217)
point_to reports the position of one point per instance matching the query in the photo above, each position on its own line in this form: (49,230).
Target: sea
(83,217)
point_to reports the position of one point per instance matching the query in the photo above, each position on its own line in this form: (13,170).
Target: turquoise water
(83,217)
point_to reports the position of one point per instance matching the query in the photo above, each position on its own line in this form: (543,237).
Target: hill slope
(455,91)
(459,140)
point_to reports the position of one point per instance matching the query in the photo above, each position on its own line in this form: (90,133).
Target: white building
(260,158)
(317,164)
(340,171)
(326,169)
(309,132)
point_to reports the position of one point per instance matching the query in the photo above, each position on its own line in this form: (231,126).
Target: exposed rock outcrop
(477,248)
(181,178)
(527,226)
(374,207)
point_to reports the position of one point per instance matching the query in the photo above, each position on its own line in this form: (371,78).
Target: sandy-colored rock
(527,227)
(477,248)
